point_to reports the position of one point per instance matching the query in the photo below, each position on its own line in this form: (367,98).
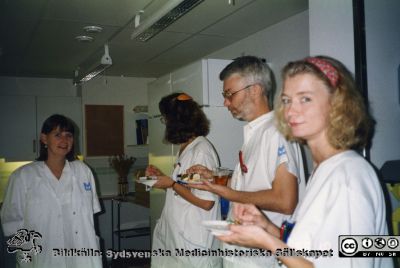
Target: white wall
(129,92)
(382,22)
(126,91)
(278,44)
(17,86)
(332,31)
(382,19)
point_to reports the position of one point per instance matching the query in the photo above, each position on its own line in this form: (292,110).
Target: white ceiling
(37,36)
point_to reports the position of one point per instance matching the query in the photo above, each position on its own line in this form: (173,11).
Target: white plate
(148,183)
(217,227)
(145,178)
(220,232)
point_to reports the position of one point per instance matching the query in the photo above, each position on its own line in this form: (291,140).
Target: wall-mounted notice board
(104,130)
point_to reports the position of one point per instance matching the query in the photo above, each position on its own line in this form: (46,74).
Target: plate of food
(147,180)
(218,227)
(190,179)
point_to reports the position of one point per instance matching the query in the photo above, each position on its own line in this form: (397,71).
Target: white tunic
(343,197)
(179,226)
(264,149)
(60,210)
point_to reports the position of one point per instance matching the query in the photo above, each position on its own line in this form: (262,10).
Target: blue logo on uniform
(88,186)
(281,150)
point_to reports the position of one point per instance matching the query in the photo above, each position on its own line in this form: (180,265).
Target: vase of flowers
(122,164)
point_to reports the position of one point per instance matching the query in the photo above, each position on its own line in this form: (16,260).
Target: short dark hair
(255,70)
(184,118)
(51,123)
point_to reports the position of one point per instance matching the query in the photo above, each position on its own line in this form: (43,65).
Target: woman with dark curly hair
(320,106)
(179,226)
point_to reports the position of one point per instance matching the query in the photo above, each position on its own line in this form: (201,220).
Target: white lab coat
(264,149)
(179,226)
(61,211)
(343,197)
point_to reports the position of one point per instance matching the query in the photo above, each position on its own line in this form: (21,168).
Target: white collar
(263,119)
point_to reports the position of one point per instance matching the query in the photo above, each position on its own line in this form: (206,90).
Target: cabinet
(201,81)
(18,135)
(22,118)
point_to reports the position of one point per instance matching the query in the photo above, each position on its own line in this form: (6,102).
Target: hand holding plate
(249,236)
(163,182)
(153,171)
(249,214)
(209,186)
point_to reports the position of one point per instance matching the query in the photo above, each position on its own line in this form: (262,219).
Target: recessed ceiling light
(84,38)
(93,29)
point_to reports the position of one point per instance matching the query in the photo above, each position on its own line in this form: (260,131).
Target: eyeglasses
(228,95)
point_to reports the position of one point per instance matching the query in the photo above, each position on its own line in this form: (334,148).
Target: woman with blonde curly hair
(349,124)
(320,106)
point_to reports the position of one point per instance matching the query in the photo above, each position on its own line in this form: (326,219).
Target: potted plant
(122,164)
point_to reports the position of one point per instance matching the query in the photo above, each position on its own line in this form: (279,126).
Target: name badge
(87,186)
(281,150)
(286,229)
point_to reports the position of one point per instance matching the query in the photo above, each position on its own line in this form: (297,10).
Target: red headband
(324,66)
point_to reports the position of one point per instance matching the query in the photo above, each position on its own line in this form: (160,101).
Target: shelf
(129,229)
(137,145)
(134,232)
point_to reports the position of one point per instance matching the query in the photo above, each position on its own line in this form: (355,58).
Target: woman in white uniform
(51,202)
(179,227)
(321,106)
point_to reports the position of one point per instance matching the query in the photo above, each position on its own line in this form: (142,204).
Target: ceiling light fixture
(98,68)
(170,12)
(93,29)
(137,18)
(84,38)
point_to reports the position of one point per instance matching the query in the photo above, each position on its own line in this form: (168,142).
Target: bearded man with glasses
(270,172)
